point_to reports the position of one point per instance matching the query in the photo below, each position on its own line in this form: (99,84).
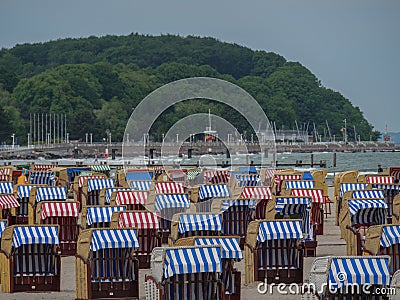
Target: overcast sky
(352,46)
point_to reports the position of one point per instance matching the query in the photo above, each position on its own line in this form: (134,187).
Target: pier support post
(151,153)
(312,160)
(190,152)
(334,159)
(113,153)
(228,154)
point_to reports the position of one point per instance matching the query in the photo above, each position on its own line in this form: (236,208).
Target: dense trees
(97,82)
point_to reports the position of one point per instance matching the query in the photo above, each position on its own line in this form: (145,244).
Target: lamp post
(13,139)
(91,138)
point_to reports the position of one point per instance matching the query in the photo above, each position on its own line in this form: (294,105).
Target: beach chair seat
(92,188)
(78,185)
(317,206)
(273,252)
(236,216)
(194,224)
(147,232)
(347,277)
(185,273)
(384,240)
(105,263)
(29,259)
(260,193)
(98,216)
(65,214)
(230,253)
(355,218)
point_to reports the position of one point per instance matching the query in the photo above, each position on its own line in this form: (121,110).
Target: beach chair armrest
(154,290)
(352,229)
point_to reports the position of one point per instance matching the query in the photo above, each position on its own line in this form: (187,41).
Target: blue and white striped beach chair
(106,266)
(37,177)
(99,216)
(273,252)
(91,190)
(185,273)
(30,259)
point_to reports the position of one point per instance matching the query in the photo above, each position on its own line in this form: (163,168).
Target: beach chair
(203,195)
(295,208)
(230,253)
(317,206)
(347,187)
(98,216)
(355,218)
(66,176)
(236,216)
(125,175)
(6,174)
(105,169)
(279,178)
(22,192)
(39,194)
(105,264)
(384,240)
(343,177)
(260,193)
(91,190)
(273,251)
(78,185)
(65,214)
(288,185)
(105,194)
(185,273)
(390,191)
(39,177)
(8,204)
(133,200)
(147,232)
(29,259)
(216,177)
(194,224)
(166,206)
(347,277)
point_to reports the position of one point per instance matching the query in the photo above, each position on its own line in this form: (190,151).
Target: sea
(365,162)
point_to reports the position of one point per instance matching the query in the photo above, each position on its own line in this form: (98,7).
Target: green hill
(97,82)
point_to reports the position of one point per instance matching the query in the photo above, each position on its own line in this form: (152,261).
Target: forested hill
(97,82)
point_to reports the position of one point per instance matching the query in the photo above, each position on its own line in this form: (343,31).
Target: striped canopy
(344,187)
(6,187)
(386,187)
(368,211)
(50,193)
(300,185)
(171,201)
(8,201)
(230,246)
(139,175)
(194,222)
(213,191)
(3,225)
(5,171)
(248,179)
(279,230)
(269,173)
(281,203)
(191,260)
(42,178)
(4,177)
(140,185)
(169,188)
(99,184)
(374,194)
(278,179)
(317,195)
(356,205)
(82,178)
(100,168)
(59,209)
(42,167)
(259,193)
(24,191)
(139,220)
(109,191)
(131,197)
(390,235)
(216,177)
(97,214)
(27,235)
(380,179)
(358,271)
(114,239)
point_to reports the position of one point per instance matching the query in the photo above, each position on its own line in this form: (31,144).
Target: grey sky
(352,46)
